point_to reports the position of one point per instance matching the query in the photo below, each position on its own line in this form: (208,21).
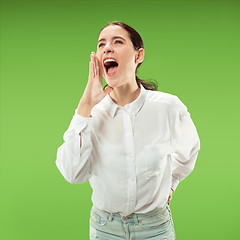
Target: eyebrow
(103,39)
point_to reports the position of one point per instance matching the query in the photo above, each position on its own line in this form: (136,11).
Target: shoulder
(166,98)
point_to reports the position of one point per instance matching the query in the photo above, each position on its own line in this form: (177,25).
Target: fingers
(91,73)
(92,63)
(93,91)
(96,65)
(90,70)
(107,90)
(100,69)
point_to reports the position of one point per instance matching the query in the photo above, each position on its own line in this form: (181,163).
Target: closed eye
(100,44)
(117,41)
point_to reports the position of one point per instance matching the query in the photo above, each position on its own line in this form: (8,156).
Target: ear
(139,56)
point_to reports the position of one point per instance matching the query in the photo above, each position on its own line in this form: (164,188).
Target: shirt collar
(133,107)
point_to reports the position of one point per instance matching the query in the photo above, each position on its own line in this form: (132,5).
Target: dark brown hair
(137,44)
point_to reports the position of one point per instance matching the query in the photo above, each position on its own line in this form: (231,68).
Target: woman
(132,143)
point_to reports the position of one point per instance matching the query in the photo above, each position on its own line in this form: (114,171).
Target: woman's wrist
(84,109)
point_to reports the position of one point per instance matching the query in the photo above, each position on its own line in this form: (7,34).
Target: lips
(110,65)
(109,57)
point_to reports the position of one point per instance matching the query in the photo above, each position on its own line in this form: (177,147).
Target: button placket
(130,159)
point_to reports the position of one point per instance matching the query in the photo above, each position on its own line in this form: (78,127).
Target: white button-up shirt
(131,155)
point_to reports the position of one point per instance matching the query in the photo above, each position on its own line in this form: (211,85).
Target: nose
(108,48)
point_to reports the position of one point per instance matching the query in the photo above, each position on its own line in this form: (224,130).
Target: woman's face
(114,42)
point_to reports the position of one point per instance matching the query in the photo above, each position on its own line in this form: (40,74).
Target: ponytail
(149,85)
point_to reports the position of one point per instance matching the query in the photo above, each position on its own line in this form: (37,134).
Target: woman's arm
(74,159)
(186,144)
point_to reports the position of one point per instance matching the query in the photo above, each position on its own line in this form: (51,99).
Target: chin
(112,83)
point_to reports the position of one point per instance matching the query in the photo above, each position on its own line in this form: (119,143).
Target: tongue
(112,69)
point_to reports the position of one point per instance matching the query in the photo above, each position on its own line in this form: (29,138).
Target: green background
(191,48)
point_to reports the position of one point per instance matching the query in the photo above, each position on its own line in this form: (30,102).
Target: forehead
(110,31)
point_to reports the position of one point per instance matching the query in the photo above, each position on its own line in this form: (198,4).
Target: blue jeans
(155,225)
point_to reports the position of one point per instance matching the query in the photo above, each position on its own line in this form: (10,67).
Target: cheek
(130,57)
(129,62)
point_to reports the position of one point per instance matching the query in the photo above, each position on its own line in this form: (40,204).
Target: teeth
(109,60)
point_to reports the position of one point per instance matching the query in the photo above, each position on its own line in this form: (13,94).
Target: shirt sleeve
(75,162)
(186,144)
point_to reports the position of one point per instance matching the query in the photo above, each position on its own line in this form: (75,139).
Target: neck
(125,93)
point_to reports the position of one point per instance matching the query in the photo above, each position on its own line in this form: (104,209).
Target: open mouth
(110,66)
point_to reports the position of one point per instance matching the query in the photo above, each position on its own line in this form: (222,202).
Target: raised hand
(93,92)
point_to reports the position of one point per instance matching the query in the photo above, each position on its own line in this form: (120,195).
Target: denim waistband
(131,217)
